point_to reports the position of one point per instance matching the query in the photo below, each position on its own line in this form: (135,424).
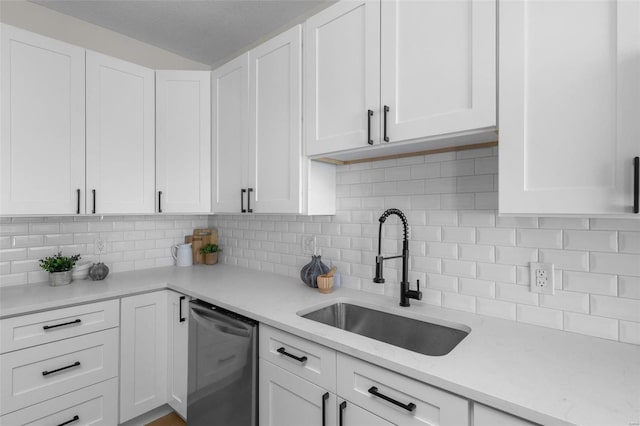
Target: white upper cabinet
(42,147)
(275,120)
(438,68)
(183,141)
(569,106)
(399,70)
(342,77)
(120,136)
(230,150)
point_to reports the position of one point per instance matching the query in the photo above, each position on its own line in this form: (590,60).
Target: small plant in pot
(59,268)
(210,252)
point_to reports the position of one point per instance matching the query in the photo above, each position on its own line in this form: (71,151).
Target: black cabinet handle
(159,201)
(369,115)
(324,408)
(182,319)
(636,184)
(386,110)
(249,191)
(74,419)
(75,321)
(93,210)
(78,207)
(410,407)
(301,359)
(75,364)
(343,406)
(242,209)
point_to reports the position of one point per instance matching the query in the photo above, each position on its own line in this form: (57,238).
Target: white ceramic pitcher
(182,254)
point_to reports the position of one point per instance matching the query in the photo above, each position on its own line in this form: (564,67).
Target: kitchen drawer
(44,327)
(95,405)
(487,416)
(316,363)
(432,406)
(69,365)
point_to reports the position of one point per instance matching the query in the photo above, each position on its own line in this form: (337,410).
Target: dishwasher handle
(213,320)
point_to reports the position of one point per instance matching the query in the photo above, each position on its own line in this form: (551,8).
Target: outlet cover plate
(309,244)
(541,278)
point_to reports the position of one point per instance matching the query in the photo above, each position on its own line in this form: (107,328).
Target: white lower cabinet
(95,405)
(289,400)
(350,414)
(177,350)
(143,342)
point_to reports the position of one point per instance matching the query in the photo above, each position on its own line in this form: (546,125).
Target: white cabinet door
(438,67)
(177,352)
(275,120)
(120,136)
(143,353)
(183,141)
(487,416)
(350,414)
(230,97)
(569,106)
(288,400)
(342,77)
(42,144)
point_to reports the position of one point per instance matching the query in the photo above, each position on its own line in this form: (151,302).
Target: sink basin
(408,333)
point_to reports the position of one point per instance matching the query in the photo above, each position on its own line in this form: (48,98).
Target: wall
(41,20)
(470,258)
(133,242)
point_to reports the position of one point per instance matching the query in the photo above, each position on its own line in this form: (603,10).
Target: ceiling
(206,31)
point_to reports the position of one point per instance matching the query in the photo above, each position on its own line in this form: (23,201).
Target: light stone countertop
(543,375)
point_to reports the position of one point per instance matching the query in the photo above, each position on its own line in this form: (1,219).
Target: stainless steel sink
(408,333)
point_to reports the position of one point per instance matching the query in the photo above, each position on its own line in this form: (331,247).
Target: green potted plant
(210,252)
(59,268)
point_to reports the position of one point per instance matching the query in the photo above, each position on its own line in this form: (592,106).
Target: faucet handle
(418,293)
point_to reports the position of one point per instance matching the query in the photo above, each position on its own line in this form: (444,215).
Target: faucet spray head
(379,277)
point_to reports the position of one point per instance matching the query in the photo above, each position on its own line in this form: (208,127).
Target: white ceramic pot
(60,278)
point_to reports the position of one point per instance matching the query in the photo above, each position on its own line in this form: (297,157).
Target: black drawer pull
(636,185)
(301,359)
(159,201)
(75,321)
(386,111)
(182,319)
(249,191)
(242,192)
(74,419)
(324,408)
(75,364)
(78,207)
(93,210)
(410,407)
(343,406)
(369,115)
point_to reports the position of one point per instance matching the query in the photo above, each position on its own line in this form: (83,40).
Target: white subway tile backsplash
(496,308)
(473,287)
(629,287)
(487,200)
(442,282)
(590,283)
(630,332)
(516,222)
(539,316)
(458,235)
(565,259)
(459,302)
(486,165)
(566,301)
(493,272)
(476,252)
(615,224)
(457,168)
(442,250)
(563,223)
(426,233)
(457,201)
(459,268)
(516,293)
(615,263)
(482,183)
(629,242)
(442,217)
(516,255)
(496,236)
(591,240)
(615,307)
(539,238)
(476,218)
(27,241)
(606,328)
(424,202)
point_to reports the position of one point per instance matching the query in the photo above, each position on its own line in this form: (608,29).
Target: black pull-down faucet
(405,293)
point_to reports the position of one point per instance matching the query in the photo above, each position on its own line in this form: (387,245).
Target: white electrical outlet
(308,244)
(541,277)
(100,246)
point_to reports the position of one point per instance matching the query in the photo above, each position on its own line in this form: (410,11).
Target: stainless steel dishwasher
(222,367)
